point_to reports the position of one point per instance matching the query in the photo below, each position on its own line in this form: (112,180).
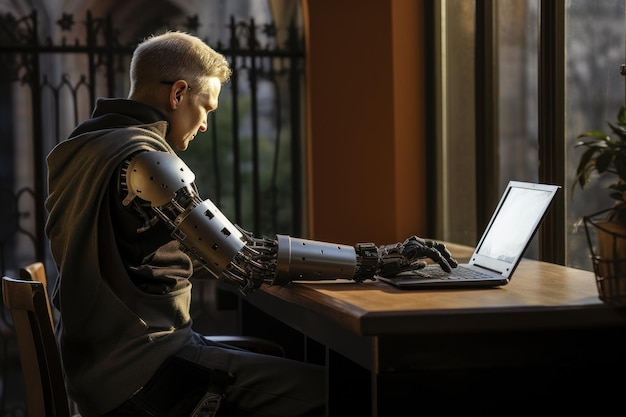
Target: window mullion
(551,116)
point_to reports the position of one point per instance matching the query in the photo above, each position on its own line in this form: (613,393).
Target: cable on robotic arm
(254,264)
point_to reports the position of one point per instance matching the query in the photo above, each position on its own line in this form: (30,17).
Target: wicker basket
(608,257)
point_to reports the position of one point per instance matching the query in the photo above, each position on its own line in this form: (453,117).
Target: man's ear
(177,93)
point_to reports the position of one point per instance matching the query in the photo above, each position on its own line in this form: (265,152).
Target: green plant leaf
(603,161)
(605,154)
(620,167)
(621,116)
(619,131)
(593,134)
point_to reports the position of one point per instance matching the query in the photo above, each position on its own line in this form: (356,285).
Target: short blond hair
(174,56)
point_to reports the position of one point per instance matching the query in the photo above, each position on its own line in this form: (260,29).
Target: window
(511,104)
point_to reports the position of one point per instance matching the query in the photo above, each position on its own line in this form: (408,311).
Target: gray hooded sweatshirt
(113,335)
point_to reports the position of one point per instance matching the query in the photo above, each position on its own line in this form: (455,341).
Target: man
(123,289)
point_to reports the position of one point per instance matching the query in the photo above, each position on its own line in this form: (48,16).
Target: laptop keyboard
(460,272)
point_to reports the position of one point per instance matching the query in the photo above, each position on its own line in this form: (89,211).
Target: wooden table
(543,338)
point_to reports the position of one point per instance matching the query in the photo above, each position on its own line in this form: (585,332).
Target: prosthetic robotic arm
(226,250)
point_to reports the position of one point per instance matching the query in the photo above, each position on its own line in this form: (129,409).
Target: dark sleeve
(153,259)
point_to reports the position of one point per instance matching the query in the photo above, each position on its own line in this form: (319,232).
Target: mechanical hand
(411,254)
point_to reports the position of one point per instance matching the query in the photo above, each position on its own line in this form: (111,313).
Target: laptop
(515,221)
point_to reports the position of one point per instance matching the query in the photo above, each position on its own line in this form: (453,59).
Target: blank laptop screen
(517,218)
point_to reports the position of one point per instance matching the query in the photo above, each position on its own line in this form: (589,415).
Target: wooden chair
(27,299)
(37,272)
(34,272)
(39,355)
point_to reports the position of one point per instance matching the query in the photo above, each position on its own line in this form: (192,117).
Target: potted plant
(605,157)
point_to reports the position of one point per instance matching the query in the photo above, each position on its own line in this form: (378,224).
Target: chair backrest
(34,272)
(37,272)
(39,355)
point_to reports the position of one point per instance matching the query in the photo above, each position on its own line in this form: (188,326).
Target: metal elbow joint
(166,182)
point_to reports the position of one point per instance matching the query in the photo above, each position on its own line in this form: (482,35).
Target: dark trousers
(253,384)
(179,388)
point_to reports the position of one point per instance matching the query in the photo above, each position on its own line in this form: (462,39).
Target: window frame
(466,31)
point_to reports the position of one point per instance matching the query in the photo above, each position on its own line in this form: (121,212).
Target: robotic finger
(418,248)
